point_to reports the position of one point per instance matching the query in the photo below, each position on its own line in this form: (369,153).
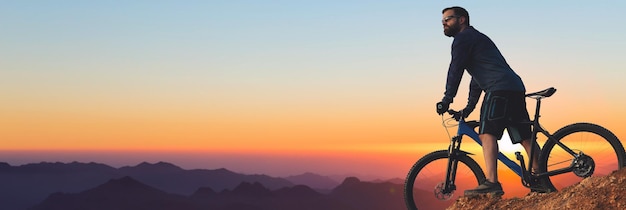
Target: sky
(280,87)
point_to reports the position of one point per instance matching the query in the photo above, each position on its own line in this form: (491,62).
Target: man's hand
(442,107)
(466,111)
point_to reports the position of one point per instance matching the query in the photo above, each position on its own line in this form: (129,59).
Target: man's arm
(474,94)
(460,57)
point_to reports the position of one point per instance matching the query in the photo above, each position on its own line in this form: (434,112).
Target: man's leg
(536,186)
(492,119)
(527,144)
(490,153)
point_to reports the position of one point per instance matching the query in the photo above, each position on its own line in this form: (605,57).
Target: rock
(607,192)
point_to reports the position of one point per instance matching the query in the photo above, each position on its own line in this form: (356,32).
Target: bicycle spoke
(424,187)
(600,153)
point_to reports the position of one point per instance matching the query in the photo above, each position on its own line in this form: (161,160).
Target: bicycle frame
(455,148)
(548,154)
(465,129)
(536,128)
(525,173)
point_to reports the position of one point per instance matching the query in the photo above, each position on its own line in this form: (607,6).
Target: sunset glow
(281,88)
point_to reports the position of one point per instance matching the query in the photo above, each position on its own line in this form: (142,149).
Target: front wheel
(599,153)
(424,183)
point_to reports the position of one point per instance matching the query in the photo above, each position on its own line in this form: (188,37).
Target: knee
(525,142)
(487,137)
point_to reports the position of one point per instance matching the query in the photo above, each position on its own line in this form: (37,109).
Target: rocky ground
(608,192)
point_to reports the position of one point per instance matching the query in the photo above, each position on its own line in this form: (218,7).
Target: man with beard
(503,105)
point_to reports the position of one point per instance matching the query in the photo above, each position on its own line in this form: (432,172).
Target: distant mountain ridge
(316,181)
(26,185)
(171,178)
(128,193)
(122,193)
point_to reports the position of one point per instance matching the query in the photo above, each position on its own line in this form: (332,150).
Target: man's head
(454,20)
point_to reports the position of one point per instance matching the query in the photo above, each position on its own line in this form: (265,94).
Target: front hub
(441,193)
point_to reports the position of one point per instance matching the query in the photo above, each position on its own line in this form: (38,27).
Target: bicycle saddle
(543,94)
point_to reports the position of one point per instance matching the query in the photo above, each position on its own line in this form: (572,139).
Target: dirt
(607,192)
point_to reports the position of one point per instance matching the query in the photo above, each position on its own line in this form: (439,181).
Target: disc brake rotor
(439,194)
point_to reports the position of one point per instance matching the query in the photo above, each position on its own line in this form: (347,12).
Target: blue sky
(326,43)
(243,65)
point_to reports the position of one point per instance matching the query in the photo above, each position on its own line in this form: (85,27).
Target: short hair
(458,11)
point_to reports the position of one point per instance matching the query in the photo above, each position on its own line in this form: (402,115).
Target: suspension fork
(453,161)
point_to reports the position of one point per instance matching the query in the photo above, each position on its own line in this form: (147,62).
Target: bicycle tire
(604,148)
(416,187)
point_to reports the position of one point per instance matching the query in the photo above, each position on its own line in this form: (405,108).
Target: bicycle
(433,179)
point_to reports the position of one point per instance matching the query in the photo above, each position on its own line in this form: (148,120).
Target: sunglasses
(446,19)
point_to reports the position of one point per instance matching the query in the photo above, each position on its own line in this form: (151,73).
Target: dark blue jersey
(476,53)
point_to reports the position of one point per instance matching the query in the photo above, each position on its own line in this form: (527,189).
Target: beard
(452,30)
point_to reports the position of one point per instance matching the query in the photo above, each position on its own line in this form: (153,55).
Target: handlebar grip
(457,115)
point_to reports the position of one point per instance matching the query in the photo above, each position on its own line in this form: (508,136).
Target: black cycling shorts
(505,109)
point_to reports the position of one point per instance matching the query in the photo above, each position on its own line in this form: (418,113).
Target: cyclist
(503,105)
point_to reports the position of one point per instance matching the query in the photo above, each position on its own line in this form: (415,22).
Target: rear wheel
(599,153)
(423,188)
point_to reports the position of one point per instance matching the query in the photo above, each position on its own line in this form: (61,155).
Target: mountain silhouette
(318,182)
(246,189)
(26,185)
(121,194)
(369,195)
(171,178)
(162,186)
(298,191)
(128,193)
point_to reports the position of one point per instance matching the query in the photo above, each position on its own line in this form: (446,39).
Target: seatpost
(533,140)
(537,110)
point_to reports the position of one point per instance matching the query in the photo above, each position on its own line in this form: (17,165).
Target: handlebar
(457,115)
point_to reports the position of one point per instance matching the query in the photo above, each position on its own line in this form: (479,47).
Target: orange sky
(395,136)
(346,90)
